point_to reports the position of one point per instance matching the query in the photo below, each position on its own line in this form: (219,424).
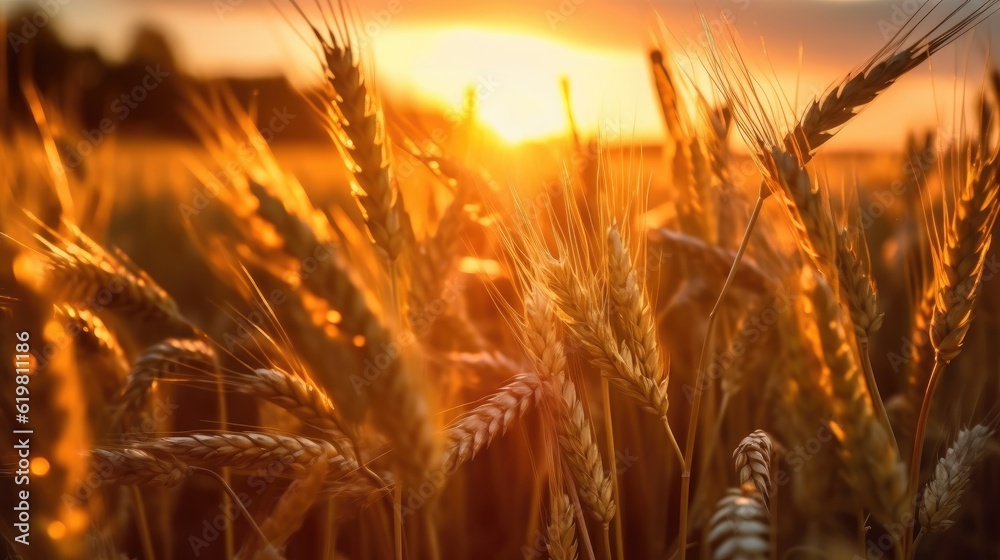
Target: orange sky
(515,51)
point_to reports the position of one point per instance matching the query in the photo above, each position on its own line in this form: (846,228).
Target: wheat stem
(143,524)
(610,432)
(918,446)
(700,374)
(866,361)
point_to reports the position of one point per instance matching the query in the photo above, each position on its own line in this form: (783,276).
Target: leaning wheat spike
(562,528)
(920,359)
(248,450)
(288,514)
(871,466)
(135,466)
(664,243)
(302,398)
(667,96)
(858,287)
(739,529)
(579,450)
(333,362)
(473,431)
(906,50)
(959,264)
(588,323)
(805,207)
(97,345)
(576,434)
(308,240)
(951,479)
(172,357)
(356,122)
(753,459)
(634,317)
(435,258)
(83,274)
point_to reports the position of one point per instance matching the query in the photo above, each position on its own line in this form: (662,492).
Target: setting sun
(516,80)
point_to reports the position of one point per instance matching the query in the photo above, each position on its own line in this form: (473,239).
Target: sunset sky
(514,52)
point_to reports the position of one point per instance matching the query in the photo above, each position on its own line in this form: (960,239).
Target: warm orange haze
(569,279)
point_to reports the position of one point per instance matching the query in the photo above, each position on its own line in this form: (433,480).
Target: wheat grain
(576,439)
(951,479)
(476,429)
(960,262)
(753,458)
(739,528)
(83,274)
(588,323)
(248,450)
(355,121)
(171,358)
(302,398)
(562,528)
(665,243)
(858,288)
(138,467)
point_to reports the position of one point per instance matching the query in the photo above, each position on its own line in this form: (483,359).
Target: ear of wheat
(562,528)
(951,480)
(753,459)
(248,450)
(475,430)
(739,528)
(871,466)
(170,358)
(356,123)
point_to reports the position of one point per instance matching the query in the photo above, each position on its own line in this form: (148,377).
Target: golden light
(358,340)
(56,530)
(333,316)
(516,80)
(40,466)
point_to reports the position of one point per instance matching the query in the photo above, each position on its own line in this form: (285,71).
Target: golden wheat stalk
(959,265)
(356,123)
(579,449)
(871,466)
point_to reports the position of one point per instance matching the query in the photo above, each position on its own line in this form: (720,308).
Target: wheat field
(395,344)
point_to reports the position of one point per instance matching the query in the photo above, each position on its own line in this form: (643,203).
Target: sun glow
(516,80)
